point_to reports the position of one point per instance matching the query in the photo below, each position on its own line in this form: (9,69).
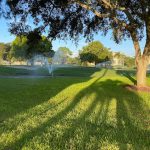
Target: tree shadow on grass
(123,125)
(55,118)
(128,74)
(129,132)
(19,95)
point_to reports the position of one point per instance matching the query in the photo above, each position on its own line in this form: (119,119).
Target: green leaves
(95,52)
(25,47)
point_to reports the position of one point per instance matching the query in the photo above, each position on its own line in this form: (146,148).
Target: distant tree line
(95,52)
(125,19)
(24,47)
(4,51)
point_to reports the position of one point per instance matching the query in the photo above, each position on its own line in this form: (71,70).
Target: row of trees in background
(125,18)
(4,51)
(23,48)
(95,52)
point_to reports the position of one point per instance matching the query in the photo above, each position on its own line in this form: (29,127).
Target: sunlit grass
(73,113)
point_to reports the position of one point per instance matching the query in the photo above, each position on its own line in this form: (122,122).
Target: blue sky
(125,47)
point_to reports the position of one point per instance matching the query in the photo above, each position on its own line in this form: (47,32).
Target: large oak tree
(63,18)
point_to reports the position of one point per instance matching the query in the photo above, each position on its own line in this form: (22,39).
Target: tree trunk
(141,61)
(141,71)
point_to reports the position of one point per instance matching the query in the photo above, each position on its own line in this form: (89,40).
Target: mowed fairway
(94,112)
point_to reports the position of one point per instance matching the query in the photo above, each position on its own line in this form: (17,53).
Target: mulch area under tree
(140,89)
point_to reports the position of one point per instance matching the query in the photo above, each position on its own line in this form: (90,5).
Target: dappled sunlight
(111,113)
(27,93)
(139,116)
(95,114)
(29,120)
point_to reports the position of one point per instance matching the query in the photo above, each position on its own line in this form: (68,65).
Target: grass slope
(73,113)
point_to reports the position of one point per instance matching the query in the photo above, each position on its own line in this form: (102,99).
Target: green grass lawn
(89,112)
(8,71)
(69,71)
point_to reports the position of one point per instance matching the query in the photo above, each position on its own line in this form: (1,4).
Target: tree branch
(136,45)
(147,45)
(87,7)
(112,14)
(107,4)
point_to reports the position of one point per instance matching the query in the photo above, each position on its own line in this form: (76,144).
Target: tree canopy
(19,48)
(74,17)
(63,18)
(4,50)
(38,44)
(25,47)
(95,52)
